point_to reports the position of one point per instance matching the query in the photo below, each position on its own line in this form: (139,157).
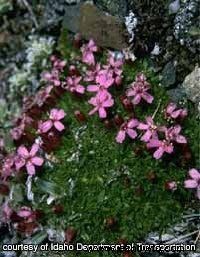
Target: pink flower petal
(77,80)
(93,111)
(80,89)
(34,149)
(194,174)
(177,129)
(149,120)
(19,163)
(24,212)
(175,114)
(171,107)
(120,136)
(158,154)
(6,211)
(59,126)
(169,149)
(102,113)
(108,103)
(92,88)
(60,114)
(153,143)
(109,82)
(88,58)
(130,92)
(46,126)
(143,126)
(23,152)
(132,133)
(190,183)
(57,82)
(30,168)
(133,123)
(54,114)
(147,97)
(93,101)
(137,99)
(37,161)
(181,139)
(146,137)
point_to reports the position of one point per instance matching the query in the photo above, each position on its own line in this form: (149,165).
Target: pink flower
(104,80)
(57,63)
(114,64)
(127,128)
(7,167)
(87,52)
(139,90)
(151,129)
(173,112)
(173,134)
(17,132)
(25,212)
(92,73)
(194,182)
(162,147)
(6,212)
(171,185)
(101,102)
(54,121)
(73,85)
(52,77)
(115,67)
(43,95)
(2,144)
(28,159)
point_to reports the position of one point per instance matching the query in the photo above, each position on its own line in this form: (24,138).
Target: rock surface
(113,7)
(105,29)
(52,14)
(191,86)
(91,22)
(186,25)
(71,18)
(169,74)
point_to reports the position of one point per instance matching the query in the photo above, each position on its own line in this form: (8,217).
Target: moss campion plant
(101,153)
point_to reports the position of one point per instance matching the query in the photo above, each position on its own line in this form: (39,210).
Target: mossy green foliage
(95,178)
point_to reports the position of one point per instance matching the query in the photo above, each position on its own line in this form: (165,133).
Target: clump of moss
(95,179)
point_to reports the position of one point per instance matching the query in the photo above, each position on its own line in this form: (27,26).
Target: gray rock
(169,74)
(187,21)
(113,7)
(193,255)
(177,94)
(105,29)
(72,17)
(8,254)
(191,85)
(174,7)
(91,22)
(53,14)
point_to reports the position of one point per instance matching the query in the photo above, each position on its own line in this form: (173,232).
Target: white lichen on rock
(131,22)
(37,53)
(156,50)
